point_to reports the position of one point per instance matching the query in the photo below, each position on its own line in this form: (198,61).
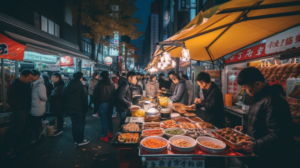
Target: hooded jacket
(270,124)
(74,97)
(56,97)
(103,92)
(180,93)
(123,95)
(19,96)
(214,106)
(39,97)
(92,84)
(152,88)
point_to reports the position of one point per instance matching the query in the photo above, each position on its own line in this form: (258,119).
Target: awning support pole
(3,85)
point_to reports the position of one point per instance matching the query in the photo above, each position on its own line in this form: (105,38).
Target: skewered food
(132,127)
(206,125)
(151,125)
(195,119)
(154,143)
(153,132)
(182,120)
(233,136)
(170,124)
(210,145)
(181,143)
(128,137)
(174,131)
(187,125)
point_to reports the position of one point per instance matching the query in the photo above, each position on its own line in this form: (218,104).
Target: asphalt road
(60,151)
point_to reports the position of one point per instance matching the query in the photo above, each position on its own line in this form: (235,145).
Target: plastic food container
(154,150)
(183,149)
(152,114)
(170,135)
(208,149)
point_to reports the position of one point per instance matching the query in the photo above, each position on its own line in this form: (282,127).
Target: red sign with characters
(66,61)
(10,49)
(248,53)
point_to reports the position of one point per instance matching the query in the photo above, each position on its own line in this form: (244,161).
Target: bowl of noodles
(211,145)
(182,143)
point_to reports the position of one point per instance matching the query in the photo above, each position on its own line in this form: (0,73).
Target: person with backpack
(103,91)
(124,96)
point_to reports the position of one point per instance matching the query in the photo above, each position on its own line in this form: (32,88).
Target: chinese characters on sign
(232,86)
(173,162)
(248,53)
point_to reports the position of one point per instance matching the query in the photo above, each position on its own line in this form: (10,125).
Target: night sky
(143,13)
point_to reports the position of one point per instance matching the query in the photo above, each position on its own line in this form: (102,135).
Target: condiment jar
(152,114)
(165,113)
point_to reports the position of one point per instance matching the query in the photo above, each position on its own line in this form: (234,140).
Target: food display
(181,119)
(210,145)
(195,119)
(151,125)
(128,138)
(189,114)
(206,125)
(194,133)
(179,109)
(187,125)
(174,131)
(132,127)
(233,136)
(181,143)
(138,113)
(170,124)
(153,132)
(163,101)
(189,108)
(178,104)
(154,143)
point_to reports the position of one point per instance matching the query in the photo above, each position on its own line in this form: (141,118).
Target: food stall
(161,133)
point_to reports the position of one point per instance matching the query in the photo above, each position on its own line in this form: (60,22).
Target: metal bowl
(154,150)
(183,149)
(208,149)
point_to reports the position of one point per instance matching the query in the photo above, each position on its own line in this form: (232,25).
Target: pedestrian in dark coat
(212,102)
(269,123)
(161,80)
(56,106)
(180,94)
(75,102)
(124,96)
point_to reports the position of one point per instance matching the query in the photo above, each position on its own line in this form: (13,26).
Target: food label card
(172,162)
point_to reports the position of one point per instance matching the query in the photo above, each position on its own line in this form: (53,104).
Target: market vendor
(269,122)
(212,102)
(152,86)
(137,92)
(180,93)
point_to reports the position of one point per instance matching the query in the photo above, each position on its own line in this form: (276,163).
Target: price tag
(172,162)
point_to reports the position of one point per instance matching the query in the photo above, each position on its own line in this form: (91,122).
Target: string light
(173,64)
(185,55)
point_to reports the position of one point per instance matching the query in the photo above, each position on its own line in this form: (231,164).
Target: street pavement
(60,151)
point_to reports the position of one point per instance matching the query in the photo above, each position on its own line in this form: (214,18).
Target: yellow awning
(237,23)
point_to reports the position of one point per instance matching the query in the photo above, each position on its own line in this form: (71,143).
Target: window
(192,13)
(46,25)
(87,47)
(68,16)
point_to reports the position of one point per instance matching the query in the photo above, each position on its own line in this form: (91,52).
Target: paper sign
(172,162)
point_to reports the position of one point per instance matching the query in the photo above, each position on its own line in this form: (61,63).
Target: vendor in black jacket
(213,101)
(269,123)
(56,102)
(124,95)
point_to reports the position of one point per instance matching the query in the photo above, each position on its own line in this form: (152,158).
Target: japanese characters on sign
(173,162)
(248,53)
(283,41)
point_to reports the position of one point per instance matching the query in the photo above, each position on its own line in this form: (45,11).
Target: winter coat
(123,95)
(144,82)
(39,97)
(214,106)
(189,86)
(136,90)
(19,96)
(172,87)
(152,88)
(180,93)
(56,97)
(270,124)
(140,83)
(49,88)
(103,92)
(74,97)
(161,82)
(92,84)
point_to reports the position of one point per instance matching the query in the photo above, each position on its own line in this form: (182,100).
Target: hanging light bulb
(173,64)
(185,55)
(159,65)
(167,57)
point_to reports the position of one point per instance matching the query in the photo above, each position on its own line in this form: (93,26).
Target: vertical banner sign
(283,41)
(166,20)
(66,61)
(10,49)
(154,28)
